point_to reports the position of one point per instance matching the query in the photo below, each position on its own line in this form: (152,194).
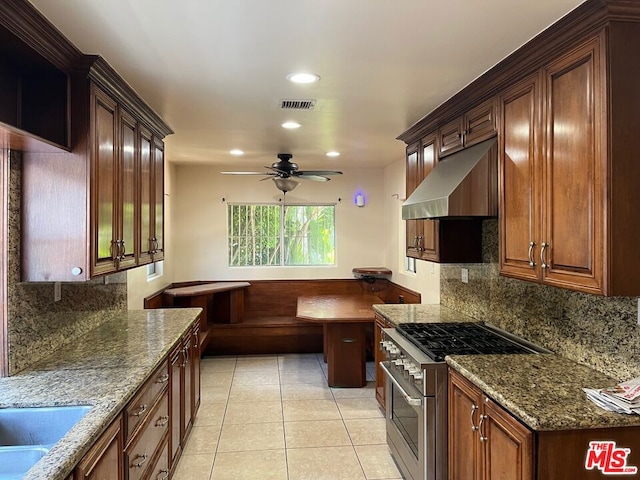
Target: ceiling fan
(284,172)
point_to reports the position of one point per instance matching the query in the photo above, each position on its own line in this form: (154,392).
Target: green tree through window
(263,235)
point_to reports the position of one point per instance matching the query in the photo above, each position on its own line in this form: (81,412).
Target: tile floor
(274,418)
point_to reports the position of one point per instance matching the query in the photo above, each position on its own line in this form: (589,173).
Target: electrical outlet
(465,275)
(57,291)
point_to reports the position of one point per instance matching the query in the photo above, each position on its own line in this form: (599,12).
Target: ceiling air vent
(297,104)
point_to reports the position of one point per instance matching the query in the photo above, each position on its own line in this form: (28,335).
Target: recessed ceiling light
(291,125)
(236,151)
(333,154)
(303,77)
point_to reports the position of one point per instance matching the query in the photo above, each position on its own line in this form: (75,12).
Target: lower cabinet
(184,389)
(104,461)
(485,441)
(381,379)
(147,438)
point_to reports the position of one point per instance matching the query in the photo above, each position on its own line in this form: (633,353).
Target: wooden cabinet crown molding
(103,75)
(583,22)
(31,27)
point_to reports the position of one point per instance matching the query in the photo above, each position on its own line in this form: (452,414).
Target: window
(410,264)
(154,270)
(270,235)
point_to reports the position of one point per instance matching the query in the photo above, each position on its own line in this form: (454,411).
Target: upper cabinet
(104,212)
(566,113)
(474,126)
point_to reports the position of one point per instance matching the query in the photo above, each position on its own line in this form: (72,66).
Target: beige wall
(199,221)
(137,285)
(426,280)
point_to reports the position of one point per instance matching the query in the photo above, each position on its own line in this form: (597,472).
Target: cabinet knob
(76,271)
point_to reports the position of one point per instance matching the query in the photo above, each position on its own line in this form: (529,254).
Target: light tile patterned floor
(273,417)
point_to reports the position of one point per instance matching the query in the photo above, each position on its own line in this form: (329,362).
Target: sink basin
(42,426)
(16,461)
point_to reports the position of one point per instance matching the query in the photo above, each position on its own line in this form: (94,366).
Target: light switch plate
(57,291)
(465,275)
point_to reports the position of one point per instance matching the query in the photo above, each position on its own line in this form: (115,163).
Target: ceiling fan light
(285,184)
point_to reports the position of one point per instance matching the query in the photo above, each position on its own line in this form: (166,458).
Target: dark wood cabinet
(441,241)
(184,391)
(117,163)
(104,460)
(476,125)
(485,441)
(380,356)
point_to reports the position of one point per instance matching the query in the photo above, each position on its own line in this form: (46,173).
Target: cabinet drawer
(143,402)
(139,454)
(160,469)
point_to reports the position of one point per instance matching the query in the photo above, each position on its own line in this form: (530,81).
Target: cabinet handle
(143,458)
(164,473)
(419,243)
(185,356)
(163,378)
(124,250)
(474,407)
(543,264)
(162,421)
(483,438)
(532,263)
(141,410)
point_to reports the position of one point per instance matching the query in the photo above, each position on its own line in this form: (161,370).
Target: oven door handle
(413,401)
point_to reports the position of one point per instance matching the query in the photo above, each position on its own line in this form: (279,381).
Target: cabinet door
(413,227)
(508,445)
(430,228)
(518,168)
(127,192)
(464,418)
(450,137)
(380,356)
(480,123)
(105,459)
(104,173)
(574,170)
(145,244)
(158,200)
(175,405)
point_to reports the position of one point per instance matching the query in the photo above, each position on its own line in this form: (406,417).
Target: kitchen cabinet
(185,390)
(553,173)
(485,441)
(441,241)
(476,125)
(99,208)
(104,460)
(380,356)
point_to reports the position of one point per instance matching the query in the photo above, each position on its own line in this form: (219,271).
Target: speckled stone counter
(103,369)
(420,313)
(543,391)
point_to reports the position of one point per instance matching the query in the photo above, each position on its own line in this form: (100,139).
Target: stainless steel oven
(416,395)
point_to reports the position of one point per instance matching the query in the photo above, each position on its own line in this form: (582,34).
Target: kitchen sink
(42,426)
(16,461)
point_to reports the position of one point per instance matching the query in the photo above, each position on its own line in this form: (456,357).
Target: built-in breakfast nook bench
(260,316)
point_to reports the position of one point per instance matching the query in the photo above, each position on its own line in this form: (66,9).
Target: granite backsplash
(595,331)
(38,326)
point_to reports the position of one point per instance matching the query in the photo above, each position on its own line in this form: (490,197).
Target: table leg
(346,355)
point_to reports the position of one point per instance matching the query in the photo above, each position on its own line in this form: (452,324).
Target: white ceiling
(215,69)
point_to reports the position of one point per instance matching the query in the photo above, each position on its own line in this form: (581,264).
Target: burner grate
(438,340)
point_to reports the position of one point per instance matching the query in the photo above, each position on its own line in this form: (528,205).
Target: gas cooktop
(438,340)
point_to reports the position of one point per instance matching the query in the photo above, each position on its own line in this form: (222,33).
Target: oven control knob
(416,373)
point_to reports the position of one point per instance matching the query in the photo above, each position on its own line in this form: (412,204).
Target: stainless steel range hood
(461,185)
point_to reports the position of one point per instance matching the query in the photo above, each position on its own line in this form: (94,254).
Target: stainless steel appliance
(416,395)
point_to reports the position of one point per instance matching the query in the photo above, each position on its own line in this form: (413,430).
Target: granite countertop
(103,369)
(420,313)
(544,391)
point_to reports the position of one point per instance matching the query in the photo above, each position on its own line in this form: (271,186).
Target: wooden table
(344,318)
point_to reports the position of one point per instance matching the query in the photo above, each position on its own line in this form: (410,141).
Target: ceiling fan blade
(246,173)
(315,178)
(319,172)
(279,171)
